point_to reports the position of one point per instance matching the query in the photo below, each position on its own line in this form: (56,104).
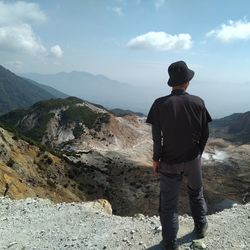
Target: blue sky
(131,41)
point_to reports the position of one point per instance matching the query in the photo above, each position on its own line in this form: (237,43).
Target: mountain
(123,112)
(56,93)
(97,89)
(109,152)
(111,156)
(17,92)
(34,122)
(235,128)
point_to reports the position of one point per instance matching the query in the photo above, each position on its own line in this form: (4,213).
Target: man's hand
(156,166)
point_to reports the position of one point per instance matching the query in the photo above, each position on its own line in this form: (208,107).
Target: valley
(104,156)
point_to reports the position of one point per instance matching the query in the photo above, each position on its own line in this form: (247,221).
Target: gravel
(35,223)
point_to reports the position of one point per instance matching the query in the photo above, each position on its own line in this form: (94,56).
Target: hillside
(35,121)
(112,156)
(235,128)
(16,92)
(123,112)
(56,93)
(106,149)
(40,224)
(29,171)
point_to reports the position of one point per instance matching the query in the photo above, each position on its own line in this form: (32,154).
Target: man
(180,132)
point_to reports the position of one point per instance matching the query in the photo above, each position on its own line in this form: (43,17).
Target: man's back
(182,119)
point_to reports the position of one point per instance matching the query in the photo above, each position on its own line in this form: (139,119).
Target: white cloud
(118,11)
(20,38)
(233,30)
(56,51)
(16,33)
(159,3)
(161,41)
(20,12)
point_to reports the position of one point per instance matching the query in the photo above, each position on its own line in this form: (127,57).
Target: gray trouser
(170,180)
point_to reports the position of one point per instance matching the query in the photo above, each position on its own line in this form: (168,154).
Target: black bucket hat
(179,73)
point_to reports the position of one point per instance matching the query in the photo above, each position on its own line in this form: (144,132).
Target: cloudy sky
(131,41)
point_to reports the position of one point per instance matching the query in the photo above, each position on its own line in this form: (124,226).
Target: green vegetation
(37,132)
(13,117)
(45,106)
(84,115)
(123,112)
(17,135)
(102,118)
(16,92)
(41,109)
(42,112)
(79,114)
(78,131)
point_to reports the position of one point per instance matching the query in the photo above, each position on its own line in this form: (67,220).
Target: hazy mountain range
(17,92)
(20,92)
(98,89)
(220,97)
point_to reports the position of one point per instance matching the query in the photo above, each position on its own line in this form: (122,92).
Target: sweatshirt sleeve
(206,118)
(157,142)
(154,115)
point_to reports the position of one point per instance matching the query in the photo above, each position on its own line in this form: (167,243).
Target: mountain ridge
(234,128)
(17,92)
(95,88)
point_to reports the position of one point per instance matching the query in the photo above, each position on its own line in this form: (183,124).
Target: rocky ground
(35,223)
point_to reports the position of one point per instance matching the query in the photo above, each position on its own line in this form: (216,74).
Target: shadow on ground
(188,238)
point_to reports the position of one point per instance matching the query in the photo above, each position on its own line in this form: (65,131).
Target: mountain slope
(42,119)
(28,171)
(97,89)
(109,152)
(235,128)
(16,92)
(112,156)
(56,93)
